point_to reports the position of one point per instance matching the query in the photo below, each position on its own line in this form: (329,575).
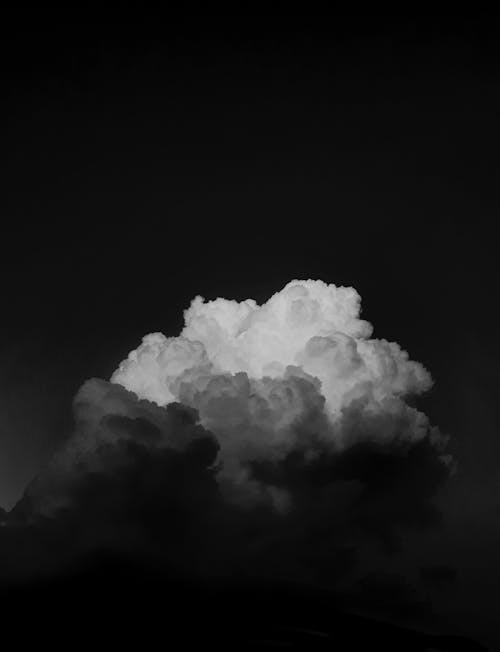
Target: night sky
(150,161)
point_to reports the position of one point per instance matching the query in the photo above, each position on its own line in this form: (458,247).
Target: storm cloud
(271,441)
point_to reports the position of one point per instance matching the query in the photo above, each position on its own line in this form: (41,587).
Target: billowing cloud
(299,373)
(263,440)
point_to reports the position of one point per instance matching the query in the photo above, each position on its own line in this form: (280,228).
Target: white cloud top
(296,373)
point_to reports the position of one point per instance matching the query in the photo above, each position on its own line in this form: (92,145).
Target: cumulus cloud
(272,440)
(298,373)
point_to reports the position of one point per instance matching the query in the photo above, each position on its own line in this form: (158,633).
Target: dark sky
(149,161)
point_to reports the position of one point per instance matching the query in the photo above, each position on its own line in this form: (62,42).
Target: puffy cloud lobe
(298,372)
(110,422)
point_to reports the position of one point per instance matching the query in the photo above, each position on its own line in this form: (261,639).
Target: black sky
(148,161)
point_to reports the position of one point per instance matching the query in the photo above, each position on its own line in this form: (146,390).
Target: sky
(145,163)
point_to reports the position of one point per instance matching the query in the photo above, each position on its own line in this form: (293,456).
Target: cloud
(299,373)
(270,441)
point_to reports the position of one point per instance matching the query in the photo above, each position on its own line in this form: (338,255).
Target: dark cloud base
(166,504)
(146,545)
